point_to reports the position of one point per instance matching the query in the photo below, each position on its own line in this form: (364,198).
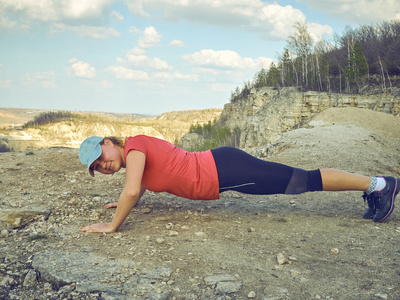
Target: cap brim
(95,155)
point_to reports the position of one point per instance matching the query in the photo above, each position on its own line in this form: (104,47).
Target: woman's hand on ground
(99,227)
(111,205)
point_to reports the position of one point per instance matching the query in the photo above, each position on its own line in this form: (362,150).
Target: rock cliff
(268,113)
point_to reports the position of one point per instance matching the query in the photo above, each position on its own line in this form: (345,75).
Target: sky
(154,56)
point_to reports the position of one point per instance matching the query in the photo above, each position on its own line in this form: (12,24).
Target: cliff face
(268,113)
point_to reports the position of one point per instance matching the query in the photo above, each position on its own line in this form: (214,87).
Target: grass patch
(37,236)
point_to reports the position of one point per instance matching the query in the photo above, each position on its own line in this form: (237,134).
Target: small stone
(282,259)
(30,279)
(335,251)
(228,287)
(251,295)
(160,240)
(146,210)
(4,233)
(370,263)
(382,296)
(251,229)
(17,222)
(169,226)
(295,273)
(173,233)
(200,233)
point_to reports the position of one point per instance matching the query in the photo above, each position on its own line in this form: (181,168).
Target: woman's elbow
(132,193)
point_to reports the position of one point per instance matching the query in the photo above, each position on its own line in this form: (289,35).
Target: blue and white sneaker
(384,199)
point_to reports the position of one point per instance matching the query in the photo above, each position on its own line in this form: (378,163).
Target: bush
(50,117)
(215,136)
(4,147)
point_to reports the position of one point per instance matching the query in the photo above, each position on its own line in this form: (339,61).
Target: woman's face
(111,159)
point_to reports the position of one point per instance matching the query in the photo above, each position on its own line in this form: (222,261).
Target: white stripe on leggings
(235,186)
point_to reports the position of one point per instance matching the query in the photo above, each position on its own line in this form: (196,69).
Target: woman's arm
(133,190)
(115,204)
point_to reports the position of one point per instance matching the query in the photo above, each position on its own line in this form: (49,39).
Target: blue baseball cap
(89,151)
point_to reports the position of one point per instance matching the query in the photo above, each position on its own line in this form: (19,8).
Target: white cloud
(146,62)
(56,10)
(150,38)
(87,31)
(81,69)
(40,79)
(225,59)
(5,83)
(117,16)
(133,30)
(121,72)
(6,23)
(358,11)
(270,21)
(177,43)
(176,75)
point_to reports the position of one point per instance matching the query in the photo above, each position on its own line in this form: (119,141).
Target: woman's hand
(99,227)
(111,205)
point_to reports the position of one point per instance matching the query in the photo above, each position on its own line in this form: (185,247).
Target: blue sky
(154,56)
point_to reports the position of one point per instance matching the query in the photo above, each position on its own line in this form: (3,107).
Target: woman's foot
(384,199)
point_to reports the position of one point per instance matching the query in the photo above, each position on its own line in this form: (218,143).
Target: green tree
(301,43)
(357,69)
(273,75)
(261,78)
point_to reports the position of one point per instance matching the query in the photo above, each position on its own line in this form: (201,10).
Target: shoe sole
(395,191)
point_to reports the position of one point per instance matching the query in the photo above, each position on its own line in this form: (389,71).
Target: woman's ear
(107,142)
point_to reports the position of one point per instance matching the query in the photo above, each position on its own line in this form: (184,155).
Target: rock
(228,287)
(7,281)
(335,251)
(160,240)
(287,108)
(17,217)
(93,273)
(281,259)
(370,263)
(4,233)
(30,279)
(381,296)
(251,295)
(157,273)
(214,279)
(66,289)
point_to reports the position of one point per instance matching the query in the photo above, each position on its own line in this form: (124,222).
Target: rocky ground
(310,246)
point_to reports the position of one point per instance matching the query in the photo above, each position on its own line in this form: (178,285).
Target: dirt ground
(325,249)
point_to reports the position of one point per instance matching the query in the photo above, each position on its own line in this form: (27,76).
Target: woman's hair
(115,140)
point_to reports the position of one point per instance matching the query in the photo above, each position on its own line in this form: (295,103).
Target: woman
(159,166)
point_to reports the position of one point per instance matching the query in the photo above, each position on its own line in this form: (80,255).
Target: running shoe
(384,199)
(370,212)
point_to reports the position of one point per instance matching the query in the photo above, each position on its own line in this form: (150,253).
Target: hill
(73,130)
(309,246)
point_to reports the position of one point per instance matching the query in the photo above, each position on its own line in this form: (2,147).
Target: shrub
(215,136)
(4,147)
(50,117)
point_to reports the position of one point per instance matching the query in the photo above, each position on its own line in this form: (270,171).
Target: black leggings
(241,172)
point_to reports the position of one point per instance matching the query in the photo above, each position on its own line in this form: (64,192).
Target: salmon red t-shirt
(191,175)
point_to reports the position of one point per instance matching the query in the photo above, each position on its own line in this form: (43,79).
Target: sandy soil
(330,251)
